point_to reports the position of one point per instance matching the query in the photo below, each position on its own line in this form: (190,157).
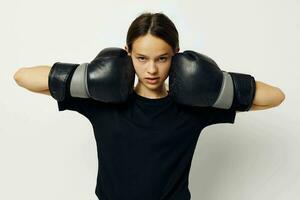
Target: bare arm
(34,79)
(266,96)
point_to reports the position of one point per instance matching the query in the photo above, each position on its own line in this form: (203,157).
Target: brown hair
(157,24)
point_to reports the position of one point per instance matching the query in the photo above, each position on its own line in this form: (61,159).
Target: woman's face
(151,57)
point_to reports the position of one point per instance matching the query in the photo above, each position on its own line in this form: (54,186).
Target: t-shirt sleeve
(80,105)
(218,115)
(209,115)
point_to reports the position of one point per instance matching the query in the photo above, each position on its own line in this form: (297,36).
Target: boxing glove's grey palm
(109,77)
(195,79)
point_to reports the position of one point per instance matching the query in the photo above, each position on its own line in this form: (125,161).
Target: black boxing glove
(195,79)
(109,77)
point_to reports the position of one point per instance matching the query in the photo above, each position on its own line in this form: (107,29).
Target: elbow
(279,97)
(282,96)
(18,76)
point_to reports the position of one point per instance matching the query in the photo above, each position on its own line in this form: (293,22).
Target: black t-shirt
(145,146)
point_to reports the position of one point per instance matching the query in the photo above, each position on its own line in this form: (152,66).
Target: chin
(153,86)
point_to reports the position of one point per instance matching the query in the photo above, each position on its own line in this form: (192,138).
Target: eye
(139,58)
(163,58)
(143,58)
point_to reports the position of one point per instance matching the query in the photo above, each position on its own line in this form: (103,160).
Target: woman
(145,146)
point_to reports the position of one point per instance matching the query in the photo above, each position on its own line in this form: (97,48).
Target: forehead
(150,45)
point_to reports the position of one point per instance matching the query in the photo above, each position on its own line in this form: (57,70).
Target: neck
(152,94)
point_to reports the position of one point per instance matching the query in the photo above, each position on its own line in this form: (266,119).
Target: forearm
(266,96)
(33,78)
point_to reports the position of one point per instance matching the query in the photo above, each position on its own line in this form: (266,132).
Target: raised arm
(35,78)
(100,79)
(266,96)
(196,80)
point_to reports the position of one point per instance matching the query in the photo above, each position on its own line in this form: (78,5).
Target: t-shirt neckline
(151,101)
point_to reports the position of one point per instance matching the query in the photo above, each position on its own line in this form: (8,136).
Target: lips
(152,78)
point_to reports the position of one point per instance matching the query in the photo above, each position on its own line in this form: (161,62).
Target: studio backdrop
(51,155)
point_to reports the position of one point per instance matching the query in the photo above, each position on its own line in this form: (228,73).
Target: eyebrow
(147,56)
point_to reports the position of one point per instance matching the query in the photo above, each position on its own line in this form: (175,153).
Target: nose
(152,69)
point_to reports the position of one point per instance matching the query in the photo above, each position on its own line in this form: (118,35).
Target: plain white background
(46,154)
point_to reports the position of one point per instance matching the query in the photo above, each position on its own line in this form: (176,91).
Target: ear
(176,50)
(126,48)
